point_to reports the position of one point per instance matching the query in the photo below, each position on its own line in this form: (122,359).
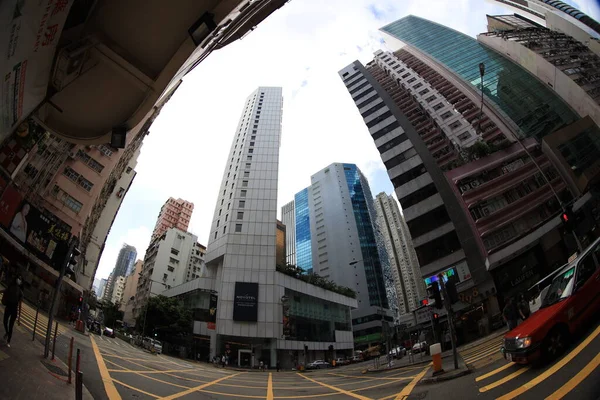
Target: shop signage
(368,338)
(245,302)
(33,30)
(39,231)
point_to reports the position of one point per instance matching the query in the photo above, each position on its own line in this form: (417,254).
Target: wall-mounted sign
(245,302)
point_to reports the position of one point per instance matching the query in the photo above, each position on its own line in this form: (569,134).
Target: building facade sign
(245,302)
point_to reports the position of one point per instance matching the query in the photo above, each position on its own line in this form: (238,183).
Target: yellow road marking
(494,372)
(480,346)
(378,385)
(146,371)
(197,388)
(340,390)
(505,379)
(161,381)
(233,394)
(109,386)
(371,378)
(480,353)
(136,389)
(543,376)
(270,387)
(576,380)
(217,384)
(134,358)
(482,356)
(409,388)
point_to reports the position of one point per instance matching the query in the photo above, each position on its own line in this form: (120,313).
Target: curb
(376,371)
(442,378)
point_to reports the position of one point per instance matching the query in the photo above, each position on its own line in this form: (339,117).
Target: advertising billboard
(245,302)
(39,231)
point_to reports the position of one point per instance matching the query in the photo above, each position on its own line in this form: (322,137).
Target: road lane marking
(109,386)
(146,371)
(576,380)
(234,395)
(162,381)
(409,388)
(482,356)
(197,388)
(136,389)
(504,380)
(337,389)
(483,351)
(270,387)
(481,346)
(373,378)
(494,372)
(550,371)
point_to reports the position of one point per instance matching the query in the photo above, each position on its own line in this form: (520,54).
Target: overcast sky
(300,48)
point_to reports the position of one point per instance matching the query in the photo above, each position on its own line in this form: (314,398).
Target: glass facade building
(364,209)
(303,242)
(534,108)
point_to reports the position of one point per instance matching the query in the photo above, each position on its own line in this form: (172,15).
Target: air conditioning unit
(69,63)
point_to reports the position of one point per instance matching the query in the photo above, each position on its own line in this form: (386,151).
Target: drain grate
(54,369)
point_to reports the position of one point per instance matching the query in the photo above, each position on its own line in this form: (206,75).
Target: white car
(318,364)
(419,347)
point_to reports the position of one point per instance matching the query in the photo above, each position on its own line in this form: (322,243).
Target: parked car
(318,364)
(341,361)
(420,347)
(398,352)
(571,300)
(356,359)
(109,332)
(149,343)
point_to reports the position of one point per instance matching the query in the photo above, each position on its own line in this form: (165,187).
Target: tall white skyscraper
(244,304)
(288,217)
(404,265)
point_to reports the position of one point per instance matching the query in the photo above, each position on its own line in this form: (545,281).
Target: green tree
(165,316)
(111,314)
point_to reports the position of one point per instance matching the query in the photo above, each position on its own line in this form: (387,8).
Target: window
(170,269)
(244,183)
(226,217)
(216,235)
(455,125)
(174,251)
(249,158)
(387,129)
(411,80)
(438,106)
(71,203)
(238,227)
(418,85)
(224,229)
(218,223)
(242,204)
(446,115)
(240,215)
(246,174)
(424,91)
(250,151)
(243,193)
(391,143)
(430,99)
(464,136)
(380,118)
(251,143)
(248,165)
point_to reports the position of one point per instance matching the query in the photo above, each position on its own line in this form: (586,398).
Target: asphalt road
(574,376)
(136,374)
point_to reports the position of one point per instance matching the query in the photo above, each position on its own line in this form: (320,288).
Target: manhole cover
(417,396)
(54,369)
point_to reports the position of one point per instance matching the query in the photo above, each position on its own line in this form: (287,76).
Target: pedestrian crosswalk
(484,353)
(27,320)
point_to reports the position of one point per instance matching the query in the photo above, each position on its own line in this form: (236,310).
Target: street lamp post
(562,206)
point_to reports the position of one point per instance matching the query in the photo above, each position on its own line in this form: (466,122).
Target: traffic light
(70,269)
(434,293)
(425,302)
(451,289)
(567,217)
(436,316)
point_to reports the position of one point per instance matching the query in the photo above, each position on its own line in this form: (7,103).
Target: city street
(137,374)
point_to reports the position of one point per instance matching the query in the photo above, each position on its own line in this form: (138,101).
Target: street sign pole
(448,307)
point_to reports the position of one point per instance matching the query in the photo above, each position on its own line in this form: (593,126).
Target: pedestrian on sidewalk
(13,295)
(510,314)
(524,310)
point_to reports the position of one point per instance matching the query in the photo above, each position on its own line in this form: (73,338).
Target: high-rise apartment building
(100,288)
(555,58)
(123,265)
(561,17)
(128,302)
(118,289)
(173,214)
(404,265)
(338,237)
(422,107)
(288,218)
(262,313)
(171,259)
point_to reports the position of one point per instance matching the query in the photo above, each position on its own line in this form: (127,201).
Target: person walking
(510,314)
(524,310)
(13,295)
(278,366)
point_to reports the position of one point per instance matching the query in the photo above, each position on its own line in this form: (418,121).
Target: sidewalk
(449,371)
(25,374)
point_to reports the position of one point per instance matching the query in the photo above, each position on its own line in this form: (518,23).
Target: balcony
(115,59)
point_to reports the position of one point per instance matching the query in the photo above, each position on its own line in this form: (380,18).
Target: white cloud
(300,47)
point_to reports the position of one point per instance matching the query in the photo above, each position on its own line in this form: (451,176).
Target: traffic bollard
(77,361)
(54,341)
(70,357)
(37,311)
(436,354)
(79,386)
